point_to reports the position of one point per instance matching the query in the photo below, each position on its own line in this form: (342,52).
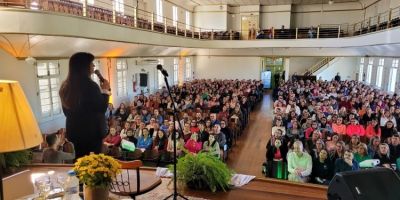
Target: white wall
(346,66)
(385,74)
(275,16)
(300,64)
(25,74)
(234,18)
(211,17)
(227,67)
(337,13)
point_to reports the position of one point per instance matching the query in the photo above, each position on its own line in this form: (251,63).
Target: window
(122,69)
(89,2)
(96,67)
(161,82)
(369,70)
(379,72)
(119,6)
(393,75)
(159,9)
(187,14)
(361,74)
(188,69)
(48,74)
(176,68)
(174,15)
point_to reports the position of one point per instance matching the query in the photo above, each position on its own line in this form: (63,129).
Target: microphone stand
(175,194)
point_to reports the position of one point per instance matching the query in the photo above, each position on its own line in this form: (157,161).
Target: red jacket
(355,130)
(370,132)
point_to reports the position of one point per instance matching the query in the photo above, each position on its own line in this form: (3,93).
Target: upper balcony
(79,24)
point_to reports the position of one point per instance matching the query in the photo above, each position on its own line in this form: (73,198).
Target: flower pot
(197,184)
(95,193)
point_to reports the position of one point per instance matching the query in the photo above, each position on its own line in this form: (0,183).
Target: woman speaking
(84,105)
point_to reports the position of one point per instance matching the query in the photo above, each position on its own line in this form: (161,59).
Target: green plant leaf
(203,170)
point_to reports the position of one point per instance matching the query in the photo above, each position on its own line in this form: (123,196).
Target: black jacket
(86,123)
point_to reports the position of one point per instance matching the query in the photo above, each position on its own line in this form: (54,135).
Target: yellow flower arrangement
(96,170)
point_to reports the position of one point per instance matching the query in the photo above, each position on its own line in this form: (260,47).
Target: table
(24,179)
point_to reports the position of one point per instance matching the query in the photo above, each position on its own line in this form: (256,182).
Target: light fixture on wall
(30,60)
(330,2)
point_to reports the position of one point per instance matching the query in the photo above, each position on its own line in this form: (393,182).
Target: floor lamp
(18,126)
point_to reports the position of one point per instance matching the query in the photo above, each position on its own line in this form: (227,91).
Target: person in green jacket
(362,153)
(299,163)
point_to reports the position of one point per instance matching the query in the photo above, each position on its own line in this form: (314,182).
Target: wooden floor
(249,153)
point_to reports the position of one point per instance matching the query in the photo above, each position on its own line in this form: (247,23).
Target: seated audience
(160,142)
(388,131)
(112,139)
(193,145)
(323,169)
(384,157)
(373,129)
(299,164)
(145,141)
(212,146)
(395,146)
(362,153)
(65,145)
(52,154)
(347,163)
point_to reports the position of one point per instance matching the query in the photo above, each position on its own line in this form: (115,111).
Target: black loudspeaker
(368,184)
(143,80)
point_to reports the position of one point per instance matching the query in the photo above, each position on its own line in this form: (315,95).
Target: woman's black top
(86,123)
(323,170)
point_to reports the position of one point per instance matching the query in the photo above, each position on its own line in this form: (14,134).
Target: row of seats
(384,25)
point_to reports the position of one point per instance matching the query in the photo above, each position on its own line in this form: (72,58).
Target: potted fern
(203,171)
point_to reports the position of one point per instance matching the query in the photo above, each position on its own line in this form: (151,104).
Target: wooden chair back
(122,185)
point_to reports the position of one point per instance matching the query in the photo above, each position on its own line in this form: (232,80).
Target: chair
(132,184)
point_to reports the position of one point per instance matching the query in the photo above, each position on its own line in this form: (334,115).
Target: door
(249,26)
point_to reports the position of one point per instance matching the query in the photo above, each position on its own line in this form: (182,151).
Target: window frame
(119,6)
(369,70)
(174,16)
(393,75)
(160,76)
(188,68)
(187,20)
(53,95)
(379,72)
(159,11)
(122,77)
(176,70)
(361,71)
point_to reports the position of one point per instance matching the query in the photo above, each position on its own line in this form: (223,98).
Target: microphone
(162,70)
(97,72)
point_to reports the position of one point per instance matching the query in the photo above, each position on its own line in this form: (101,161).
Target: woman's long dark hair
(79,71)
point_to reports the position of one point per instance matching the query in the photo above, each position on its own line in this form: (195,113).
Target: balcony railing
(132,17)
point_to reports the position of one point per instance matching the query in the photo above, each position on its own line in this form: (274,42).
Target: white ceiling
(258,2)
(62,47)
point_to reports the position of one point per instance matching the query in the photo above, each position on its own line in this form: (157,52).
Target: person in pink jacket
(373,129)
(339,128)
(355,129)
(192,145)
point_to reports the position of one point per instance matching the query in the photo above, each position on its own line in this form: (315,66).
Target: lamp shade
(18,126)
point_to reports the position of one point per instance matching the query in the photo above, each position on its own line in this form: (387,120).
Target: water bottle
(71,188)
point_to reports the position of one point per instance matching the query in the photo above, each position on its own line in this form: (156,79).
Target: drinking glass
(62,180)
(43,185)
